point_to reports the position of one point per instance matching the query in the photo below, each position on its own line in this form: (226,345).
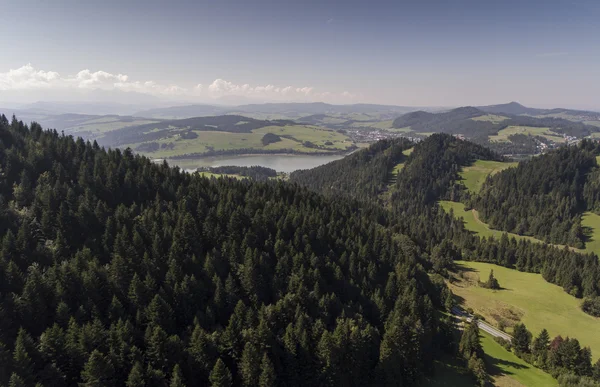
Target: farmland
(474,175)
(530,130)
(528,298)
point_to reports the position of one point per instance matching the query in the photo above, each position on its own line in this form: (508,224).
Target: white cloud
(28,78)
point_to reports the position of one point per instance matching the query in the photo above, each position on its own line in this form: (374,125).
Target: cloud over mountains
(29,79)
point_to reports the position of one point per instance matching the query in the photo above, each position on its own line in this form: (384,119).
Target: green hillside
(474,175)
(528,298)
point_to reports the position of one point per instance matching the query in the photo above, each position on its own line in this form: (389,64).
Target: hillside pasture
(474,175)
(525,297)
(503,134)
(502,365)
(496,119)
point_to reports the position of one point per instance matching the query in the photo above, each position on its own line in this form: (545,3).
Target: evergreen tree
(177,377)
(98,370)
(220,375)
(521,338)
(136,376)
(267,372)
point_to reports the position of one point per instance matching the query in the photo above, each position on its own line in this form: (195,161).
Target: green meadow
(292,137)
(474,175)
(591,226)
(472,222)
(491,118)
(528,298)
(503,364)
(531,130)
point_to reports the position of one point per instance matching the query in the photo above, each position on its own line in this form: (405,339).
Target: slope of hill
(362,175)
(229,134)
(513,108)
(543,197)
(475,123)
(115,270)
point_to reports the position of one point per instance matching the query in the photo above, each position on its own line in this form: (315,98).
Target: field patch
(474,175)
(525,297)
(503,134)
(591,226)
(501,364)
(490,118)
(408,152)
(300,138)
(318,136)
(474,224)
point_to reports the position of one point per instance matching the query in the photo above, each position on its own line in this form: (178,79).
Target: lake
(280,163)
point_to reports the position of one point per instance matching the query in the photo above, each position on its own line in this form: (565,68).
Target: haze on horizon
(427,53)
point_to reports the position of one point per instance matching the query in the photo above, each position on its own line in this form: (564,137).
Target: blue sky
(450,53)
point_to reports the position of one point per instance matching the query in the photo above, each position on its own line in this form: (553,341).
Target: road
(481,324)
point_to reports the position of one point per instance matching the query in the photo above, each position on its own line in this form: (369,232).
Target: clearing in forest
(524,297)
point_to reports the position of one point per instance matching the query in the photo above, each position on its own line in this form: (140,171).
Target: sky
(412,53)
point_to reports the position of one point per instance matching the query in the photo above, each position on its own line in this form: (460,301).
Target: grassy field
(474,175)
(534,131)
(406,129)
(472,222)
(591,224)
(408,151)
(317,136)
(98,126)
(502,364)
(528,298)
(206,140)
(594,123)
(379,125)
(491,118)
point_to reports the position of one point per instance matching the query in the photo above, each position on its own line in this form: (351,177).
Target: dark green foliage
(431,172)
(572,380)
(362,175)
(255,172)
(543,197)
(124,272)
(470,349)
(492,282)
(565,356)
(220,376)
(591,306)
(270,138)
(459,121)
(521,338)
(469,342)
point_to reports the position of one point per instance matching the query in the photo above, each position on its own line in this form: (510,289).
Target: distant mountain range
(274,110)
(516,108)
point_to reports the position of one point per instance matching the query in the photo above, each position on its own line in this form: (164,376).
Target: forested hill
(117,271)
(431,172)
(362,175)
(545,196)
(475,123)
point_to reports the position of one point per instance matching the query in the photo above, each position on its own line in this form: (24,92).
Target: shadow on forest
(587,234)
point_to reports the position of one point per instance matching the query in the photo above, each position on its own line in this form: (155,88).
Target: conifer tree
(220,376)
